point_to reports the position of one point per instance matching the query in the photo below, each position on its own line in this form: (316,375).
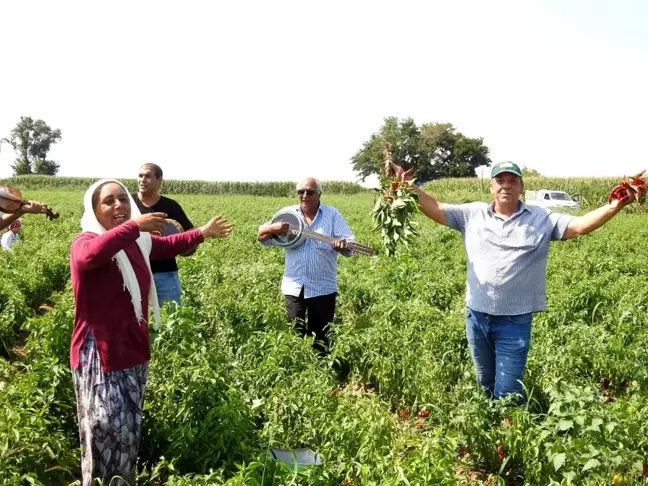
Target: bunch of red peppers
(634,189)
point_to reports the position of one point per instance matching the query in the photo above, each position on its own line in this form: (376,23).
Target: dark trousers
(320,310)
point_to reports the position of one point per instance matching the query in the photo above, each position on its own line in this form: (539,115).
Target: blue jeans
(499,346)
(167,285)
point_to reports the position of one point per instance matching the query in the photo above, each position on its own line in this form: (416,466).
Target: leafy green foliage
(229,376)
(529,172)
(434,151)
(46,167)
(32,140)
(31,273)
(195,413)
(393,215)
(37,433)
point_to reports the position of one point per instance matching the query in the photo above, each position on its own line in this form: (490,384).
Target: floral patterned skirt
(109,409)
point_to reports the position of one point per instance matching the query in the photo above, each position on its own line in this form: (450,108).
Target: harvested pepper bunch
(395,206)
(634,189)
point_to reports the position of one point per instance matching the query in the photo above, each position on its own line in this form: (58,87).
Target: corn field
(591,191)
(34,182)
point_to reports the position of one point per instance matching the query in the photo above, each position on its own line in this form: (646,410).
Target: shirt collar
(523,207)
(319,210)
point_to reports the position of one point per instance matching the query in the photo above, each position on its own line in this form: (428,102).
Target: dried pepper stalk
(635,189)
(395,207)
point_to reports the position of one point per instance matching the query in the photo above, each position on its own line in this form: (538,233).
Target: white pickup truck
(550,199)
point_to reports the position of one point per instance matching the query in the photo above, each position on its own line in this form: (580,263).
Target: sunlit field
(229,377)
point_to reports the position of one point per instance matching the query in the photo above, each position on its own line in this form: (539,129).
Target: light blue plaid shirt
(313,264)
(507,257)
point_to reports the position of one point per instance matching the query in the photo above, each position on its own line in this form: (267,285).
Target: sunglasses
(308,192)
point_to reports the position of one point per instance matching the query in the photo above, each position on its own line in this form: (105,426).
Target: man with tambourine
(149,200)
(312,235)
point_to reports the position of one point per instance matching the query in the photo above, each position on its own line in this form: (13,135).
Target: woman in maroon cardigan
(113,288)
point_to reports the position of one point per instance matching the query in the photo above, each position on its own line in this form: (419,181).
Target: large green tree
(435,150)
(32,140)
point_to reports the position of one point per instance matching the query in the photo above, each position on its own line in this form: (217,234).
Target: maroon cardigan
(102,304)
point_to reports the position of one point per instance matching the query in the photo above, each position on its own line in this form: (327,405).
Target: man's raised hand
(279,228)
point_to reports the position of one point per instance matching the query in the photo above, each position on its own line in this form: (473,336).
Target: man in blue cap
(507,247)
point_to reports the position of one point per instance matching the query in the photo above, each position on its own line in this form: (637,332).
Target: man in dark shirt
(149,200)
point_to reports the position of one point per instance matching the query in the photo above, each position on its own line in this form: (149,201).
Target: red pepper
(500,453)
(636,189)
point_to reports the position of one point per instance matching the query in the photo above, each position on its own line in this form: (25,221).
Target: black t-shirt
(174,211)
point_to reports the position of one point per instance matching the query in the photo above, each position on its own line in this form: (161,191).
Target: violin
(11,200)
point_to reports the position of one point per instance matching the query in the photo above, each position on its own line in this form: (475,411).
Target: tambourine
(172,227)
(295,235)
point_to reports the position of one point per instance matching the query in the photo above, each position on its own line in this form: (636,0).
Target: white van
(550,199)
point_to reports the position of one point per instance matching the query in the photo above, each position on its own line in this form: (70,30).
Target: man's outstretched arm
(28,207)
(432,208)
(581,225)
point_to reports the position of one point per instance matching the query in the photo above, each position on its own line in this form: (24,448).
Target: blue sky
(282,90)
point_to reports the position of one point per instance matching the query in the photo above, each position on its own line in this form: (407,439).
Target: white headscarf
(90,224)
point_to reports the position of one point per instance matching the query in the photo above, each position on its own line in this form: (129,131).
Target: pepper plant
(395,206)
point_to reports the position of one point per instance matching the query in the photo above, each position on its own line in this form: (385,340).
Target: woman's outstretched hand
(218,227)
(152,223)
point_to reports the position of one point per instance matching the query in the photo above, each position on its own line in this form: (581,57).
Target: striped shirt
(507,257)
(313,264)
